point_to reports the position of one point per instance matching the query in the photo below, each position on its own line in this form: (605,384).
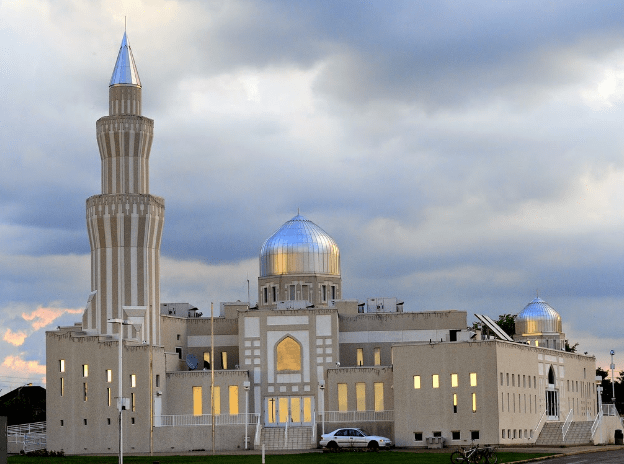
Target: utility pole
(612,378)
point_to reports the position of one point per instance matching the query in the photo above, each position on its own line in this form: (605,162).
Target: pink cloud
(16,363)
(15,338)
(41,317)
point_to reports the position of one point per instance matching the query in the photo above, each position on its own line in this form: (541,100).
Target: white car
(353,438)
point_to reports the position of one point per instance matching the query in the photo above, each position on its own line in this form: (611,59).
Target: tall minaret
(125,222)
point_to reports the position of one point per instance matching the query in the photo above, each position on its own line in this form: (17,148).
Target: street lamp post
(246,386)
(612,378)
(120,399)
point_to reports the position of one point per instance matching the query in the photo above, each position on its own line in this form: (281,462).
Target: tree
(570,349)
(602,373)
(507,322)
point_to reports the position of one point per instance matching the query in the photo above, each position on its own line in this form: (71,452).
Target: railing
(190,420)
(34,441)
(359,416)
(540,421)
(566,424)
(32,436)
(609,410)
(596,423)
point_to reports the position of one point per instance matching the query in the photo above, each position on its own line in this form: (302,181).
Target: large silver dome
(538,317)
(299,247)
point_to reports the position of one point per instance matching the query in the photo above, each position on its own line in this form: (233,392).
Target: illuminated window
(84,391)
(132,380)
(85,370)
(379,396)
(360,396)
(435,380)
(233,399)
(61,365)
(217,400)
(416,382)
(288,355)
(224,360)
(307,409)
(283,409)
(474,402)
(342,397)
(206,360)
(197,401)
(272,409)
(108,396)
(109,375)
(132,402)
(377,356)
(473,379)
(295,409)
(454,381)
(359,357)
(62,386)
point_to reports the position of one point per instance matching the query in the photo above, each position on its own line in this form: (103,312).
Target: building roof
(125,72)
(538,317)
(299,247)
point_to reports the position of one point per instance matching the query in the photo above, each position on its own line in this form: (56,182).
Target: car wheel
(373,446)
(332,446)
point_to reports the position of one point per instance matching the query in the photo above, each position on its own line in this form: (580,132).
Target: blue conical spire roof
(125,72)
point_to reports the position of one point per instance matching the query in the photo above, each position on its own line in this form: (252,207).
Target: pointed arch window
(551,376)
(288,355)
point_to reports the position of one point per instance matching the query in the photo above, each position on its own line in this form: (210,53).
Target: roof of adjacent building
(125,72)
(299,247)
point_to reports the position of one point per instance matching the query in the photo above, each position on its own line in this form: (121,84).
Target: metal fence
(357,416)
(31,436)
(190,420)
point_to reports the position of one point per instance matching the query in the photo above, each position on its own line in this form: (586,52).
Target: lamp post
(322,398)
(246,386)
(120,402)
(612,378)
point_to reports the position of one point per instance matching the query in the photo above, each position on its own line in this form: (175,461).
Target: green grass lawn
(384,457)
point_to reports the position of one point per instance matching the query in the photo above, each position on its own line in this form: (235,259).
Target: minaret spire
(125,222)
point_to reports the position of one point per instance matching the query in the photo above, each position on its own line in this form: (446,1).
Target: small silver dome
(299,247)
(538,317)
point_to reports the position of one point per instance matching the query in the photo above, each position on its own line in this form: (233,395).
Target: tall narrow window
(274,293)
(359,357)
(108,397)
(85,370)
(473,379)
(62,386)
(157,380)
(342,397)
(333,292)
(360,396)
(379,405)
(224,360)
(305,294)
(197,401)
(288,355)
(84,391)
(109,375)
(265,295)
(291,292)
(454,381)
(377,356)
(206,359)
(324,292)
(233,400)
(217,400)
(132,380)
(455,403)
(61,365)
(416,382)
(435,381)
(132,402)
(474,402)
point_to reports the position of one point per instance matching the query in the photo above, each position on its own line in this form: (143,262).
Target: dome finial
(125,72)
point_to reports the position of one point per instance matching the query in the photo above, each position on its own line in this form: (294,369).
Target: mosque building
(304,360)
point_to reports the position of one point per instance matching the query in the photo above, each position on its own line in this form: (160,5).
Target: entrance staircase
(299,438)
(579,433)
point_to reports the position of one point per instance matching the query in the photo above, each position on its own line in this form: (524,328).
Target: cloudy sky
(463,155)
